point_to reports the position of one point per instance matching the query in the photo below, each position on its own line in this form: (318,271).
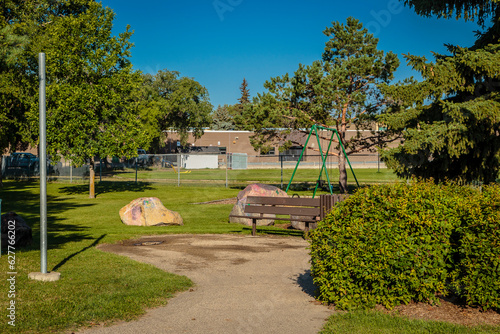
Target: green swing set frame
(314,129)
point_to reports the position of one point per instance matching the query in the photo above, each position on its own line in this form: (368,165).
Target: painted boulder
(148,211)
(298,225)
(256,189)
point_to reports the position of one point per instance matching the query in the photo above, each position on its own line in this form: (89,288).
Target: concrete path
(243,284)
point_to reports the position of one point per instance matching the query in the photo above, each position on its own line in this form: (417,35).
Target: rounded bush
(386,245)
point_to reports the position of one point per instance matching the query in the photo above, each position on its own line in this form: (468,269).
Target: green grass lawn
(98,287)
(374,322)
(242,177)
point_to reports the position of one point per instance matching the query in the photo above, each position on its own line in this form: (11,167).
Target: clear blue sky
(218,43)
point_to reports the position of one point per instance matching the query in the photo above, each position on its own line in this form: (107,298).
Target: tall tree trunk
(342,160)
(1,171)
(342,173)
(92,179)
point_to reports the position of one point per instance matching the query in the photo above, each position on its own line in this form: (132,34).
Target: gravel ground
(243,284)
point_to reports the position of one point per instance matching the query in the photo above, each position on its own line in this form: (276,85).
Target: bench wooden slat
(280,210)
(292,201)
(307,210)
(302,218)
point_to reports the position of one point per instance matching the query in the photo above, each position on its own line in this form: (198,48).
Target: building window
(292,154)
(272,151)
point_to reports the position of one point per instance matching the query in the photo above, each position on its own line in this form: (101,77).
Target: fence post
(378,162)
(227,166)
(178,170)
(281,160)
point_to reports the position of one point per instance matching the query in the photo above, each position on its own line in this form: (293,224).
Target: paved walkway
(243,284)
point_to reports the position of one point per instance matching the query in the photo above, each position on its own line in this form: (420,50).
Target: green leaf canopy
(90,85)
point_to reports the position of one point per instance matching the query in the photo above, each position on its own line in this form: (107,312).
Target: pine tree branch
(370,145)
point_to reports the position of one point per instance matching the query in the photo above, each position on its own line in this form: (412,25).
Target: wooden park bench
(307,210)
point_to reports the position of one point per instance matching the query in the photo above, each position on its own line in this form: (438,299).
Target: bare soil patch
(232,200)
(449,310)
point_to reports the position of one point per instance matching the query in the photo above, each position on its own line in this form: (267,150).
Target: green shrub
(476,276)
(396,243)
(385,245)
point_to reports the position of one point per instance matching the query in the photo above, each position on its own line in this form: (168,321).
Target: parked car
(27,164)
(20,163)
(143,158)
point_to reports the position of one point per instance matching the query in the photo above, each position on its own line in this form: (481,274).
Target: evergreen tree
(338,91)
(241,108)
(451,120)
(245,93)
(222,118)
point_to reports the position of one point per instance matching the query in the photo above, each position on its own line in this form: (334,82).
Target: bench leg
(254,226)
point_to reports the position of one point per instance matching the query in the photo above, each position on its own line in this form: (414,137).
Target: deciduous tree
(16,84)
(169,101)
(90,86)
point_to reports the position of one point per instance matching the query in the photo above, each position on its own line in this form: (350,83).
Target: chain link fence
(231,169)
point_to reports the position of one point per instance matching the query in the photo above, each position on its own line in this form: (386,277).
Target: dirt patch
(204,250)
(221,201)
(448,310)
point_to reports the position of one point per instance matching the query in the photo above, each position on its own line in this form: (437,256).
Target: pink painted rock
(148,211)
(256,189)
(298,225)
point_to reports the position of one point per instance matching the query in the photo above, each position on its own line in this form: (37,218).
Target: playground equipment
(324,157)
(176,172)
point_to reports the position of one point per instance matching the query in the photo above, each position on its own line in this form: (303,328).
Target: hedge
(398,243)
(476,275)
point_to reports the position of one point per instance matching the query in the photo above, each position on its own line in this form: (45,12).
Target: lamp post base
(48,277)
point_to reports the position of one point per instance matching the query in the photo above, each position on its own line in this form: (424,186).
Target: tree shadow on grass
(24,199)
(108,187)
(66,259)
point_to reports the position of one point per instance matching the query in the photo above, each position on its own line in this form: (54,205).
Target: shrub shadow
(305,281)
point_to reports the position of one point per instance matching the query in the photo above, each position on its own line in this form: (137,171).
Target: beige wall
(239,142)
(234,141)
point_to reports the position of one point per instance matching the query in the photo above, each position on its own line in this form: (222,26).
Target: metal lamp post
(43,275)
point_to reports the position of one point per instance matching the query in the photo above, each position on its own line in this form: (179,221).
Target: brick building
(222,142)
